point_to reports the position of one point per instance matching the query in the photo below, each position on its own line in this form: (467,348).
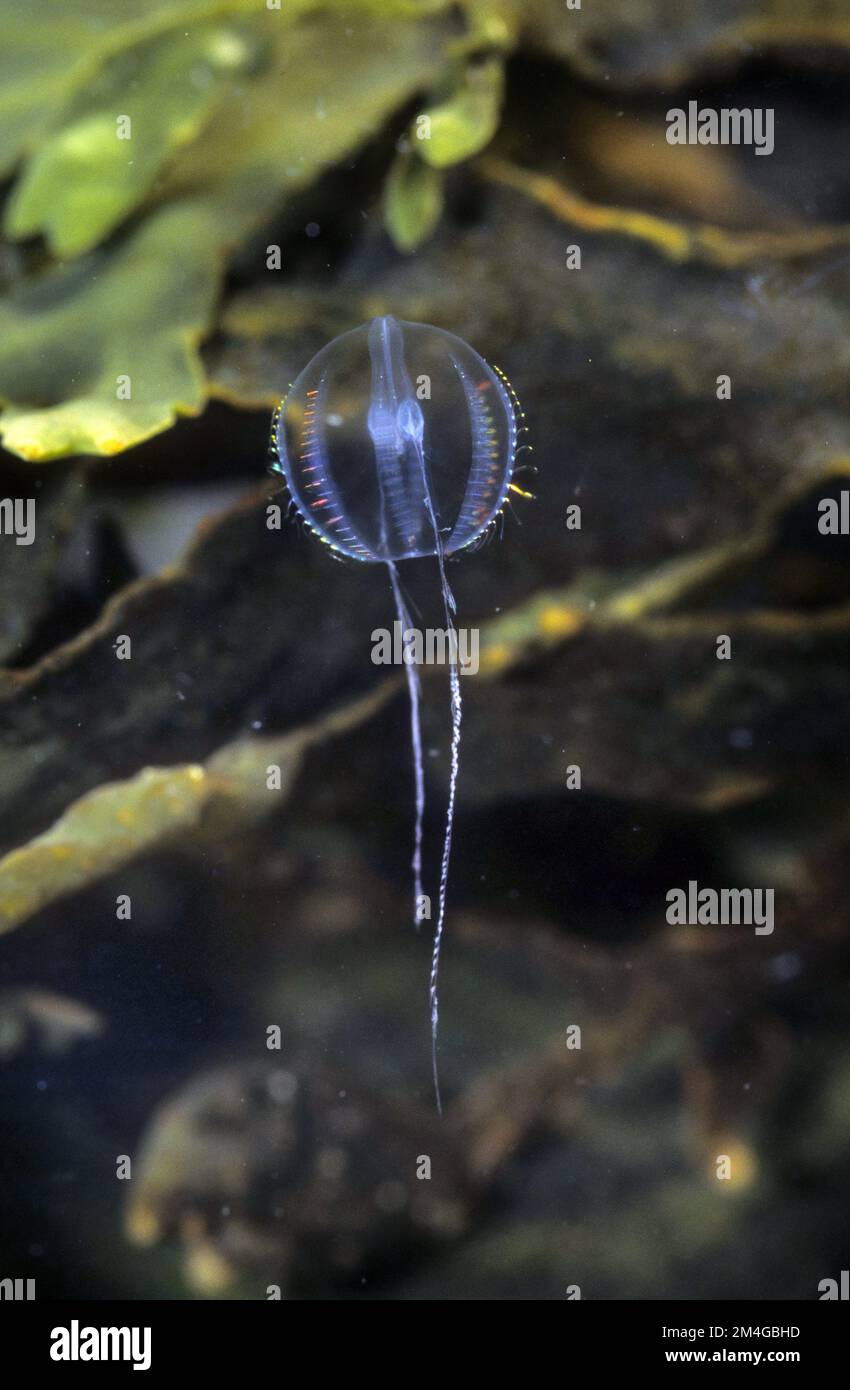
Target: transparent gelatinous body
(398,441)
(393,432)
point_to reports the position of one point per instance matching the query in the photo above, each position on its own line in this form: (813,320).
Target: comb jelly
(397,442)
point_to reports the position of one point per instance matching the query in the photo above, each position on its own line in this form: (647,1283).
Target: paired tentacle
(454,677)
(414,691)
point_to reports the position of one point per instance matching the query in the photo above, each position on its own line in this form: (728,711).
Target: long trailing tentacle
(444,869)
(454,677)
(414,691)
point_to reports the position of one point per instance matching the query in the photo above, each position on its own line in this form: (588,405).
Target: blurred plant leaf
(43,63)
(126,317)
(48,64)
(414,201)
(138,310)
(89,174)
(121,820)
(467,120)
(675,240)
